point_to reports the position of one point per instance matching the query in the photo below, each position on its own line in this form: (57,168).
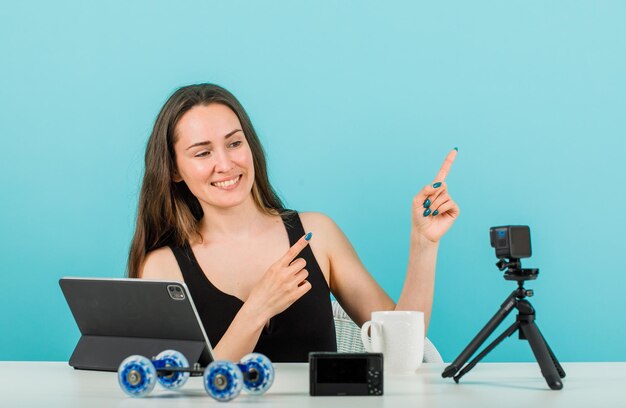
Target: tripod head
(513,270)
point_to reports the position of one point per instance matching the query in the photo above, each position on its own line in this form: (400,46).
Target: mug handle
(367,340)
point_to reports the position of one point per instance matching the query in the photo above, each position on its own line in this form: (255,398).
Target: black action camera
(345,373)
(511,241)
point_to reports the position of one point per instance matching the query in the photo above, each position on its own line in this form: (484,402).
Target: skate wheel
(137,376)
(172,358)
(258,373)
(223,380)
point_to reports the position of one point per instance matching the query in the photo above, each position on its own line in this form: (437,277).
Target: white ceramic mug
(399,335)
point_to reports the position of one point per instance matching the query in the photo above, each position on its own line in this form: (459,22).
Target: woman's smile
(228,184)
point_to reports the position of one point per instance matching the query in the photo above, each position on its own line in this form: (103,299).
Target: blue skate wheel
(136,376)
(223,380)
(172,358)
(258,373)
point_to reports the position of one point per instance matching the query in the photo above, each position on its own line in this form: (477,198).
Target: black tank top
(307,325)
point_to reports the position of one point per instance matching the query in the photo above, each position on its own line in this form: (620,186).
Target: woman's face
(213,156)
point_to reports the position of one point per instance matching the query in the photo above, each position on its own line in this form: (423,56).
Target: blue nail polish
(435,212)
(427,203)
(437,184)
(308,236)
(427,212)
(456,148)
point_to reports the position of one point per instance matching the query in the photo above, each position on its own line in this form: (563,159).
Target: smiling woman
(168,211)
(217,172)
(208,216)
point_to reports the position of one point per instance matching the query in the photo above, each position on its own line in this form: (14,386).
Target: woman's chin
(230,202)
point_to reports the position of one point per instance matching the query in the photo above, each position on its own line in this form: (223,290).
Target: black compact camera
(345,373)
(511,241)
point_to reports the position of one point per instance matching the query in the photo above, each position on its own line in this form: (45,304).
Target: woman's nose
(223,162)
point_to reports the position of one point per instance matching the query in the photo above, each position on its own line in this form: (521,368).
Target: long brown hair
(168,213)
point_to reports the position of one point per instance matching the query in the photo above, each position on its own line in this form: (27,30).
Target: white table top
(504,385)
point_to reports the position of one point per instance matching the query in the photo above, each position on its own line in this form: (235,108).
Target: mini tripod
(525,323)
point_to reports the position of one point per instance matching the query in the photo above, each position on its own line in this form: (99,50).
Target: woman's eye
(203,154)
(235,144)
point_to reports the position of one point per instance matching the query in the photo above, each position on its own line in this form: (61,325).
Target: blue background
(357,104)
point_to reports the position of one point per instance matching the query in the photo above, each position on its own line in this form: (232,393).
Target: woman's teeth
(228,183)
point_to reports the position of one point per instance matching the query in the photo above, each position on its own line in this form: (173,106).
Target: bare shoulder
(161,264)
(327,236)
(320,224)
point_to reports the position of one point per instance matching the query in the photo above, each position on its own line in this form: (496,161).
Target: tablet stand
(105,353)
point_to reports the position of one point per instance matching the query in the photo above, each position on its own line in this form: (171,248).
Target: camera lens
(177,289)
(171,288)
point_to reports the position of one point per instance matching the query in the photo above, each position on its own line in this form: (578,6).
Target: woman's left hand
(434,211)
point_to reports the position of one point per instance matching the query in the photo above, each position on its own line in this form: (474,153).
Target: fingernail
(427,212)
(456,148)
(308,236)
(437,184)
(435,212)
(427,203)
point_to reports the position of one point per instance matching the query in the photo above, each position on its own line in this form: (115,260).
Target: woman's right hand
(282,284)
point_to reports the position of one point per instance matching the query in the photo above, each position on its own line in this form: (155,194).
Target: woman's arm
(281,285)
(241,336)
(243,333)
(433,214)
(351,283)
(419,283)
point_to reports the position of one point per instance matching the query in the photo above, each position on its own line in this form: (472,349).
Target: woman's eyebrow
(208,142)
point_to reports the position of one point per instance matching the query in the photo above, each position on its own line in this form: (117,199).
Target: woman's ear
(176,177)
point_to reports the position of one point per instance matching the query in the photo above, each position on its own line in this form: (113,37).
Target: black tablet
(121,317)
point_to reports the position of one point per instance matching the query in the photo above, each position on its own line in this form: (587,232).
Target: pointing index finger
(447,164)
(292,252)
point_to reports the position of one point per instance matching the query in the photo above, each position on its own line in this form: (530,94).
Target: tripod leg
(508,332)
(559,369)
(482,335)
(542,353)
